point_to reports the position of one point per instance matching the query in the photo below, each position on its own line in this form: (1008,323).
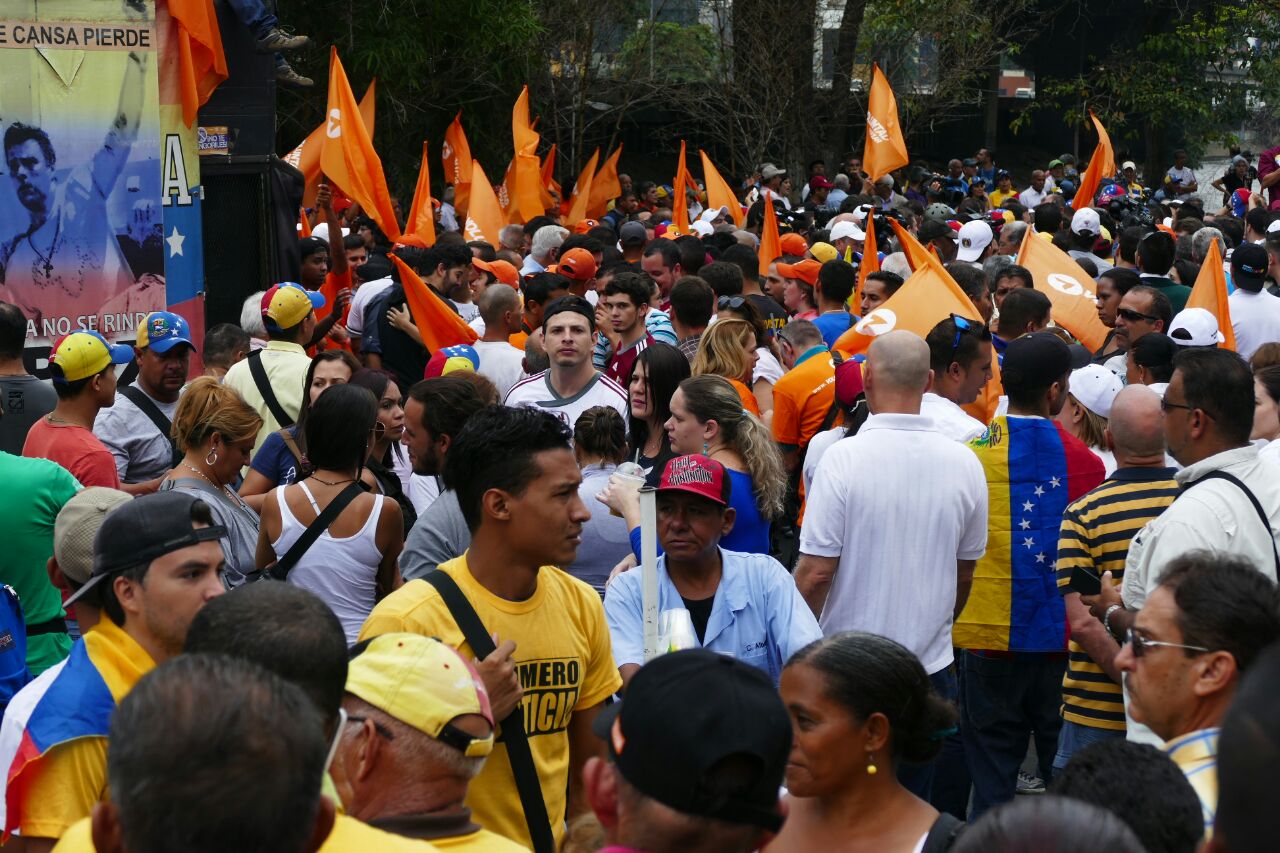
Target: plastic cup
(629,475)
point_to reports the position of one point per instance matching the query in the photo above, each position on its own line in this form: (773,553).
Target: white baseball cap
(1086,222)
(1128,164)
(712,213)
(703,228)
(1095,388)
(974,238)
(844,229)
(1195,327)
(1273,227)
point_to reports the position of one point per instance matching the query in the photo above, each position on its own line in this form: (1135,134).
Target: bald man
(1096,531)
(865,567)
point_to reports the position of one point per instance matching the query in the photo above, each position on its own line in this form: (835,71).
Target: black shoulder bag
(280,571)
(148,407)
(513,733)
(1253,499)
(943,834)
(259,374)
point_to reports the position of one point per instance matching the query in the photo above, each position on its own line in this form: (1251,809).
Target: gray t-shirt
(440,534)
(141,451)
(240,548)
(24,400)
(605,538)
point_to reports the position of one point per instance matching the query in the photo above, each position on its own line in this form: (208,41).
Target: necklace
(54,419)
(203,476)
(332,482)
(46,260)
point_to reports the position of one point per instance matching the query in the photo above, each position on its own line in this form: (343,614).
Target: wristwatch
(1106,619)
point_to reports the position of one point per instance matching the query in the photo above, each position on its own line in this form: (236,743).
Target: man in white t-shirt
(500,362)
(860,567)
(1180,182)
(960,358)
(572,384)
(1037,192)
(371,278)
(1255,313)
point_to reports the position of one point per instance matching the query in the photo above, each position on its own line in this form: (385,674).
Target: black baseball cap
(1154,349)
(147,527)
(1035,361)
(1249,266)
(689,712)
(573,304)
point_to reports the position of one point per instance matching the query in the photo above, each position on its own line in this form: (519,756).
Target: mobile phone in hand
(1085,581)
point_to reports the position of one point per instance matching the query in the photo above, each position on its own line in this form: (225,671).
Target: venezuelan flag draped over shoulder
(202,65)
(1071,292)
(439,325)
(1210,293)
(885,149)
(1033,469)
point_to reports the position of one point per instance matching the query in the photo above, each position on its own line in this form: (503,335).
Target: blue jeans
(255,16)
(1075,737)
(1005,702)
(925,780)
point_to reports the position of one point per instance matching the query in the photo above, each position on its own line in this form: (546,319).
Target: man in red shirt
(84,377)
(626,302)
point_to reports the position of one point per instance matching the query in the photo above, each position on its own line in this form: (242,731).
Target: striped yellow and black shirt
(1096,531)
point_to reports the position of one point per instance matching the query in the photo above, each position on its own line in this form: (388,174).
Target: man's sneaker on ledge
(286,76)
(278,40)
(1028,784)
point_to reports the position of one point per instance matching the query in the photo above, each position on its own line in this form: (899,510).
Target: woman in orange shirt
(728,349)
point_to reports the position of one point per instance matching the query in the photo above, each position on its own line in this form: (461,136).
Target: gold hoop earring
(211,458)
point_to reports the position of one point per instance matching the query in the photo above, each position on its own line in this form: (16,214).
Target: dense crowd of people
(896,589)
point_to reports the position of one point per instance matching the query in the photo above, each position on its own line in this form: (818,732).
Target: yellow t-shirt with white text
(565,661)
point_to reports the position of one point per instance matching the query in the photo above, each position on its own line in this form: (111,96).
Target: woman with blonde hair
(216,429)
(728,349)
(1093,389)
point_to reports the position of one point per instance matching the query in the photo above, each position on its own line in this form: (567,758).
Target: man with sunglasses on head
(1200,630)
(960,358)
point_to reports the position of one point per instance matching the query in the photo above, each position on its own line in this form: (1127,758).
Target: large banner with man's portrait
(81,218)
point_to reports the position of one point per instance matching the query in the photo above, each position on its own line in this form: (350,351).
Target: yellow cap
(823,252)
(422,683)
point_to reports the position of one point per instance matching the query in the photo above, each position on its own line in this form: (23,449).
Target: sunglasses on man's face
(1134,316)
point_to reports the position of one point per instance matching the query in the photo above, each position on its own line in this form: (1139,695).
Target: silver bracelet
(1106,619)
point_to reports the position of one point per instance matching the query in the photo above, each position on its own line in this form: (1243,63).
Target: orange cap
(502,271)
(585,225)
(577,264)
(793,244)
(806,271)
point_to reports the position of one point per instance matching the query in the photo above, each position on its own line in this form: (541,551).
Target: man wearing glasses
(1143,310)
(1184,655)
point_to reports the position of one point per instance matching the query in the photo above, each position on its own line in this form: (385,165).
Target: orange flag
(719,193)
(306,157)
(770,242)
(524,180)
(347,157)
(885,148)
(924,300)
(1210,293)
(679,200)
(549,184)
(870,263)
(456,154)
(439,325)
(604,186)
(484,218)
(918,257)
(304,224)
(201,63)
(420,229)
(1070,290)
(1101,165)
(582,191)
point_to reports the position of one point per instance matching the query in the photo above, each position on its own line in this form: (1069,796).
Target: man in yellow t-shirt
(156,564)
(517,485)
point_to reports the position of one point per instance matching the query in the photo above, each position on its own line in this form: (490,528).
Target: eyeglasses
(1134,316)
(1165,405)
(377,726)
(449,734)
(730,302)
(1142,644)
(964,324)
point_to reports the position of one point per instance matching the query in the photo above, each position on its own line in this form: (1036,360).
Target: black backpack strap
(259,374)
(280,571)
(147,406)
(513,733)
(1253,499)
(943,834)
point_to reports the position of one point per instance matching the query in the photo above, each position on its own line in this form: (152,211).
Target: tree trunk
(841,104)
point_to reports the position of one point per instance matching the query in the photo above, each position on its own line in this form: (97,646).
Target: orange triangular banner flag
(604,186)
(549,184)
(924,300)
(524,178)
(485,218)
(456,154)
(306,157)
(202,64)
(679,200)
(719,193)
(918,257)
(885,149)
(420,229)
(304,224)
(439,325)
(1101,165)
(347,157)
(582,191)
(770,242)
(1070,290)
(870,263)
(1210,293)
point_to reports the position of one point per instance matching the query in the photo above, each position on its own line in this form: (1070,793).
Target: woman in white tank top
(352,565)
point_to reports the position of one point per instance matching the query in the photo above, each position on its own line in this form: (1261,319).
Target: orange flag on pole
(924,300)
(420,229)
(770,242)
(918,257)
(549,176)
(456,154)
(484,218)
(306,157)
(524,179)
(347,157)
(719,193)
(304,224)
(885,149)
(582,191)
(870,263)
(439,325)
(202,65)
(679,199)
(1210,293)
(1070,291)
(1101,165)
(605,186)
